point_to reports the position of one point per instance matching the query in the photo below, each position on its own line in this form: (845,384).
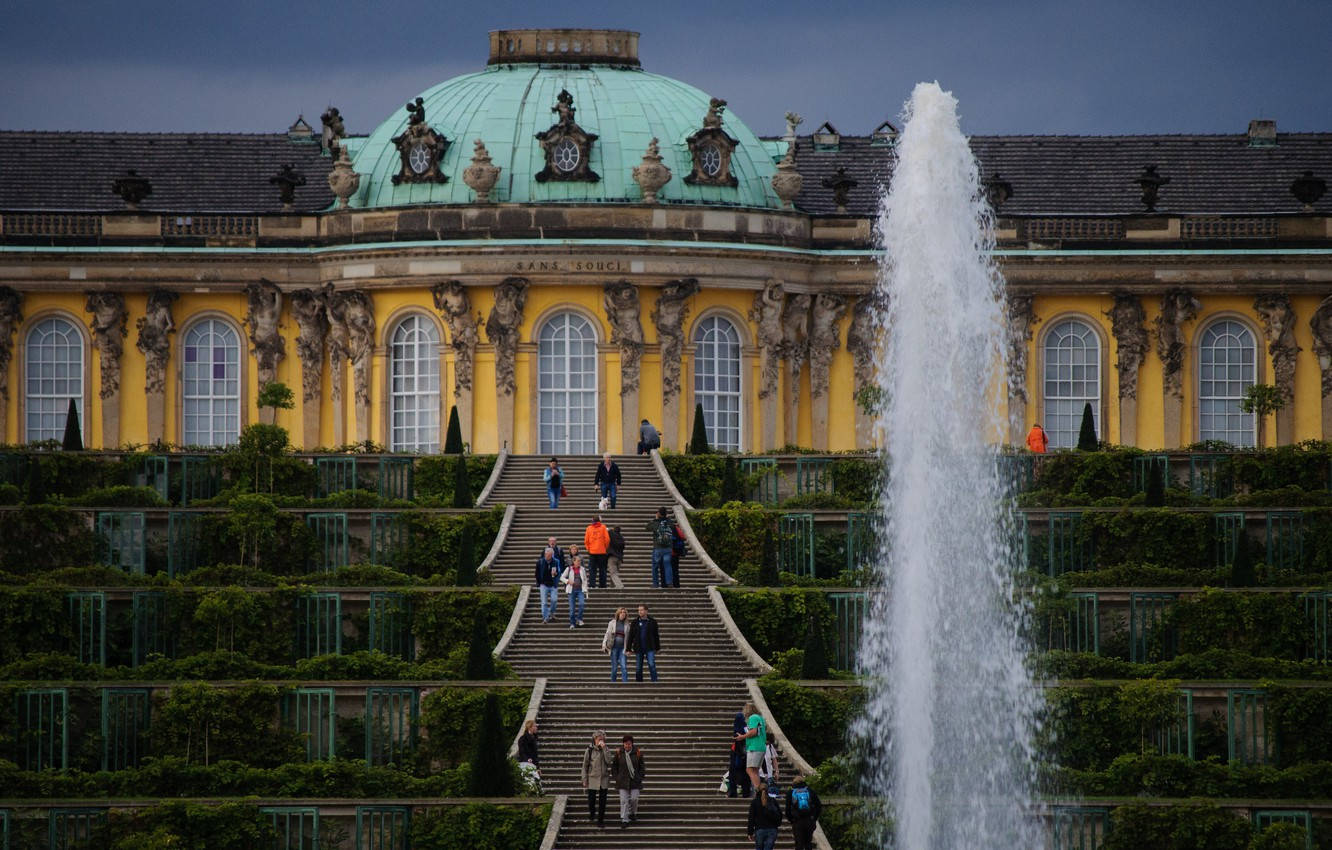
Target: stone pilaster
(1321,324)
(767,314)
(506,317)
(795,350)
(310,312)
(11,316)
(824,340)
(456,309)
(1126,322)
(668,314)
(108,331)
(1021,318)
(1177,307)
(155,328)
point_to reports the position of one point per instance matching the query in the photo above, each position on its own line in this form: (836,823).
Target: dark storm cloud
(1042,67)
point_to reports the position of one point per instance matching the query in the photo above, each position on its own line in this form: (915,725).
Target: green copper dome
(508,103)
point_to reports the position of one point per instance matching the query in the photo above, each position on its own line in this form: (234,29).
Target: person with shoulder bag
(554,478)
(765,816)
(595,775)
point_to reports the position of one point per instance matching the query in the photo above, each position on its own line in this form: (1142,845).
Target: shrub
(451,719)
(453,441)
(491,773)
(434,476)
(39,537)
(480,826)
(462,490)
(202,724)
(480,659)
(775,620)
(814,719)
(698,441)
(697,477)
(737,535)
(1191,826)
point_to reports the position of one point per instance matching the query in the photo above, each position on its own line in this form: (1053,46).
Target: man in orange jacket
(596,539)
(1037,440)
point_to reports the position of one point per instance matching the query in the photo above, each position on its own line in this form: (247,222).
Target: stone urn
(481,175)
(787,182)
(343,180)
(651,175)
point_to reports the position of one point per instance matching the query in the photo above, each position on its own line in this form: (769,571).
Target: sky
(1071,67)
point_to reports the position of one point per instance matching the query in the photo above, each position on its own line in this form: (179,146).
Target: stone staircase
(682,722)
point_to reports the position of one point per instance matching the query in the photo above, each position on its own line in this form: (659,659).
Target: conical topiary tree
(462,485)
(73,441)
(466,558)
(698,443)
(491,771)
(1087,433)
(453,444)
(1242,573)
(815,665)
(730,485)
(480,658)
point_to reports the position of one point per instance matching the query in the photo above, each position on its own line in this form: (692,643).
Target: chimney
(1262,133)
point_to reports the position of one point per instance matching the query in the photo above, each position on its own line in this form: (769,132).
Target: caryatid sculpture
(155,328)
(668,316)
(862,341)
(824,339)
(311,315)
(351,336)
(795,349)
(264,301)
(109,327)
(11,316)
(1278,318)
(1021,316)
(767,315)
(1126,323)
(1177,307)
(506,317)
(456,309)
(625,316)
(1321,325)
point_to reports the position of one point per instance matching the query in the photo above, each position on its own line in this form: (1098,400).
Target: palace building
(563,243)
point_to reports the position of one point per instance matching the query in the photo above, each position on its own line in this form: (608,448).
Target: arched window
(1227,366)
(1072,379)
(210,384)
(717,381)
(414,391)
(54,354)
(567,386)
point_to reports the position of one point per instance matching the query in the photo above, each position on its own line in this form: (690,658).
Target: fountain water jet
(948,727)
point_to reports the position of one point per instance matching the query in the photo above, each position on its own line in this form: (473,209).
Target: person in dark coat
(615,554)
(677,552)
(548,569)
(765,816)
(627,774)
(608,478)
(738,785)
(644,642)
(648,438)
(529,763)
(803,808)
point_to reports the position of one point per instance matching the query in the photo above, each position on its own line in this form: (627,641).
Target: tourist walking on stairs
(765,816)
(596,539)
(615,554)
(756,742)
(627,773)
(574,580)
(663,541)
(548,571)
(529,763)
(615,642)
(803,808)
(554,478)
(738,783)
(595,776)
(645,643)
(608,479)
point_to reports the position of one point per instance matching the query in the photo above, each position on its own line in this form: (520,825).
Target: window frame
(705,325)
(428,353)
(83,400)
(1096,334)
(242,368)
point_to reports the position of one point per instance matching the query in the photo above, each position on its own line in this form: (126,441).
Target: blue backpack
(800,799)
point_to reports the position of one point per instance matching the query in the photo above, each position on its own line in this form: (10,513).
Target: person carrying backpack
(663,536)
(677,552)
(765,816)
(803,808)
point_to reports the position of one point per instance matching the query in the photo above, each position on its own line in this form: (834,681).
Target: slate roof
(190,172)
(1093,175)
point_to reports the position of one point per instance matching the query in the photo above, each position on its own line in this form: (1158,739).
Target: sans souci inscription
(587,265)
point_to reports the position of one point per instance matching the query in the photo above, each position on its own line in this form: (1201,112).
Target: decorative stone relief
(109,326)
(502,330)
(420,149)
(1278,319)
(824,339)
(787,182)
(343,180)
(621,299)
(482,174)
(767,314)
(795,333)
(1321,323)
(668,315)
(311,314)
(1126,323)
(11,316)
(1177,307)
(358,311)
(651,174)
(263,316)
(334,132)
(862,338)
(155,328)
(841,185)
(1021,318)
(288,180)
(567,146)
(711,148)
(456,308)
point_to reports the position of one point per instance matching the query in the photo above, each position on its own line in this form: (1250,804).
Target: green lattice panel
(87,615)
(1149,467)
(1150,637)
(121,535)
(795,538)
(1317,620)
(390,725)
(76,829)
(849,610)
(151,634)
(1176,739)
(1285,539)
(1246,726)
(1080,828)
(297,827)
(1017,473)
(200,478)
(311,713)
(391,624)
(153,472)
(4,829)
(1068,550)
(389,536)
(1079,630)
(335,474)
(813,475)
(396,478)
(125,716)
(330,533)
(1208,476)
(319,624)
(383,827)
(764,472)
(43,729)
(184,542)
(1227,532)
(1263,818)
(861,542)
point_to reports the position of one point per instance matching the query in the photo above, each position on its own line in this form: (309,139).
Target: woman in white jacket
(617,637)
(574,579)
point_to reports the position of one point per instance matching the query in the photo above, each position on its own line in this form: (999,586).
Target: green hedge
(1176,776)
(480,826)
(1195,825)
(169,826)
(434,476)
(774,621)
(814,719)
(1212,664)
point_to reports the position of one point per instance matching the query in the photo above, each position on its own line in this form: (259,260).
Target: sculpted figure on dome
(1321,323)
(862,338)
(1126,323)
(11,316)
(1278,318)
(567,147)
(155,328)
(713,120)
(310,312)
(502,329)
(334,131)
(1177,307)
(109,326)
(767,314)
(621,300)
(456,308)
(263,315)
(824,339)
(668,315)
(1021,318)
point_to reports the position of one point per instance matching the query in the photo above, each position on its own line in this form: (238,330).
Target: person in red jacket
(1037,440)
(596,539)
